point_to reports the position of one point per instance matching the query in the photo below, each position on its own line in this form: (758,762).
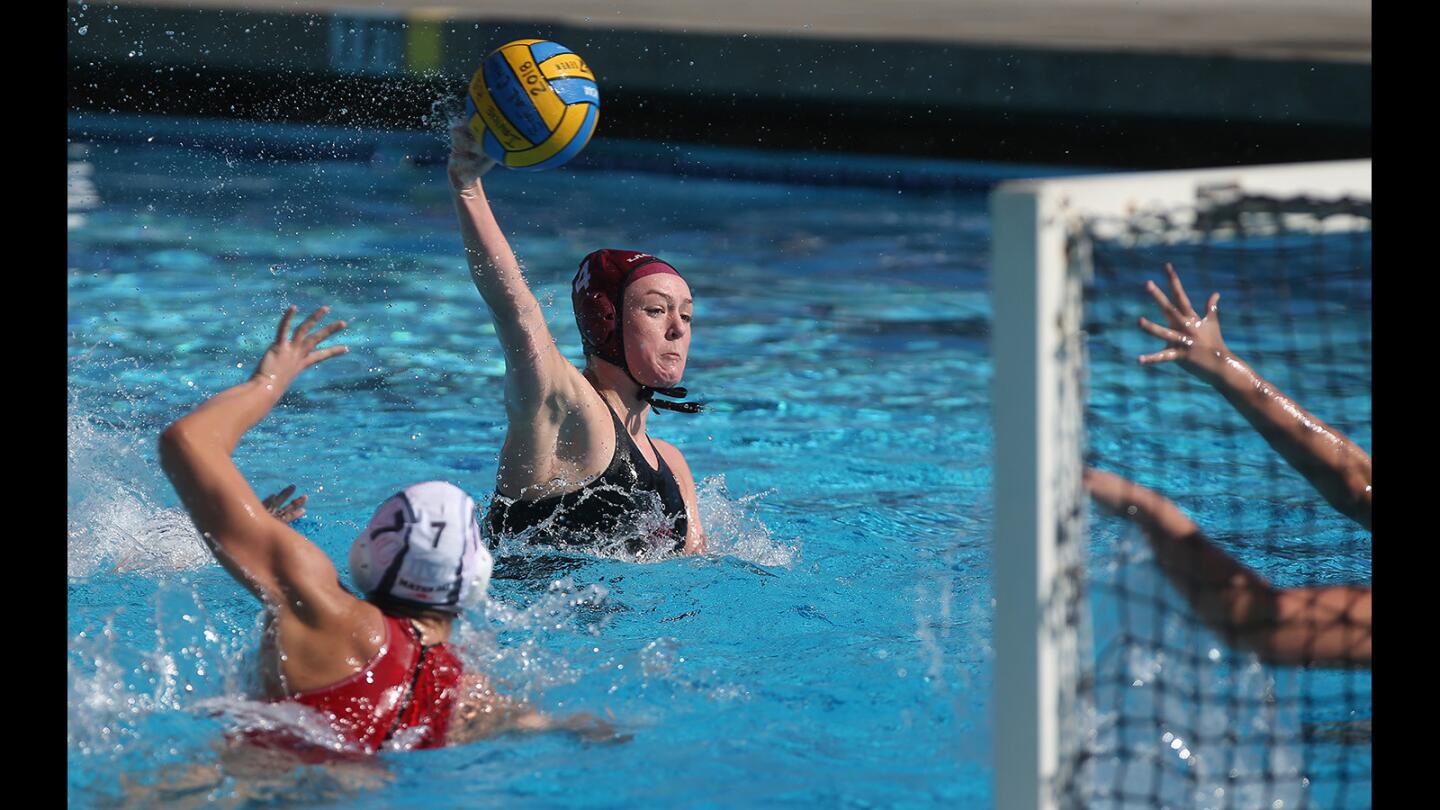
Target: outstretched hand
(1193,340)
(288,356)
(1112,493)
(468,162)
(288,512)
(1120,496)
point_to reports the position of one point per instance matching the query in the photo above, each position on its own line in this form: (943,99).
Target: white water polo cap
(423,549)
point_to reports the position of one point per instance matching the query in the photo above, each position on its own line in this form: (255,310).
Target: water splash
(446,112)
(121,685)
(242,715)
(531,658)
(112,523)
(553,649)
(733,526)
(646,534)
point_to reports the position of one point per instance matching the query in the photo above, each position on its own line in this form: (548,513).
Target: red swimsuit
(406,686)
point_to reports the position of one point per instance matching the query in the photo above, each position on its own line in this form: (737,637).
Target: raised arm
(534,366)
(256,547)
(1337,467)
(1320,626)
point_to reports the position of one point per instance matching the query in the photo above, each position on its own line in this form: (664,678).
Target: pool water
(833,649)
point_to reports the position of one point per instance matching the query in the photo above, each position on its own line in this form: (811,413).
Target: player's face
(657,329)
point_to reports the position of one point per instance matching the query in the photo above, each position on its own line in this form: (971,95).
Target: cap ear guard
(597,318)
(377,545)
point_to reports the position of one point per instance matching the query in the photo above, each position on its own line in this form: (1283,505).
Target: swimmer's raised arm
(256,547)
(534,366)
(1337,467)
(1319,626)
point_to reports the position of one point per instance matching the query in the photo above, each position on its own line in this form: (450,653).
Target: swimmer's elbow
(1246,614)
(1358,507)
(175,442)
(181,449)
(1268,648)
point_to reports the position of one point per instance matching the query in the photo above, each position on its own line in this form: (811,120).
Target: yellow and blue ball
(533,104)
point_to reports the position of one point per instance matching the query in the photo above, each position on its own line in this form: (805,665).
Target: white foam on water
(113,522)
(118,682)
(247,715)
(538,644)
(527,658)
(646,537)
(733,526)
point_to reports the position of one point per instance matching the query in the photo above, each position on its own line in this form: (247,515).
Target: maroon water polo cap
(599,291)
(597,294)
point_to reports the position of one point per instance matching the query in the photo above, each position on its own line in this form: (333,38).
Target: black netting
(1188,709)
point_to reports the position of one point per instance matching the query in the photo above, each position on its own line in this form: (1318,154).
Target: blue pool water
(833,650)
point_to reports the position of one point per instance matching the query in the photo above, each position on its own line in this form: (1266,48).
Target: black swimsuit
(620,502)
